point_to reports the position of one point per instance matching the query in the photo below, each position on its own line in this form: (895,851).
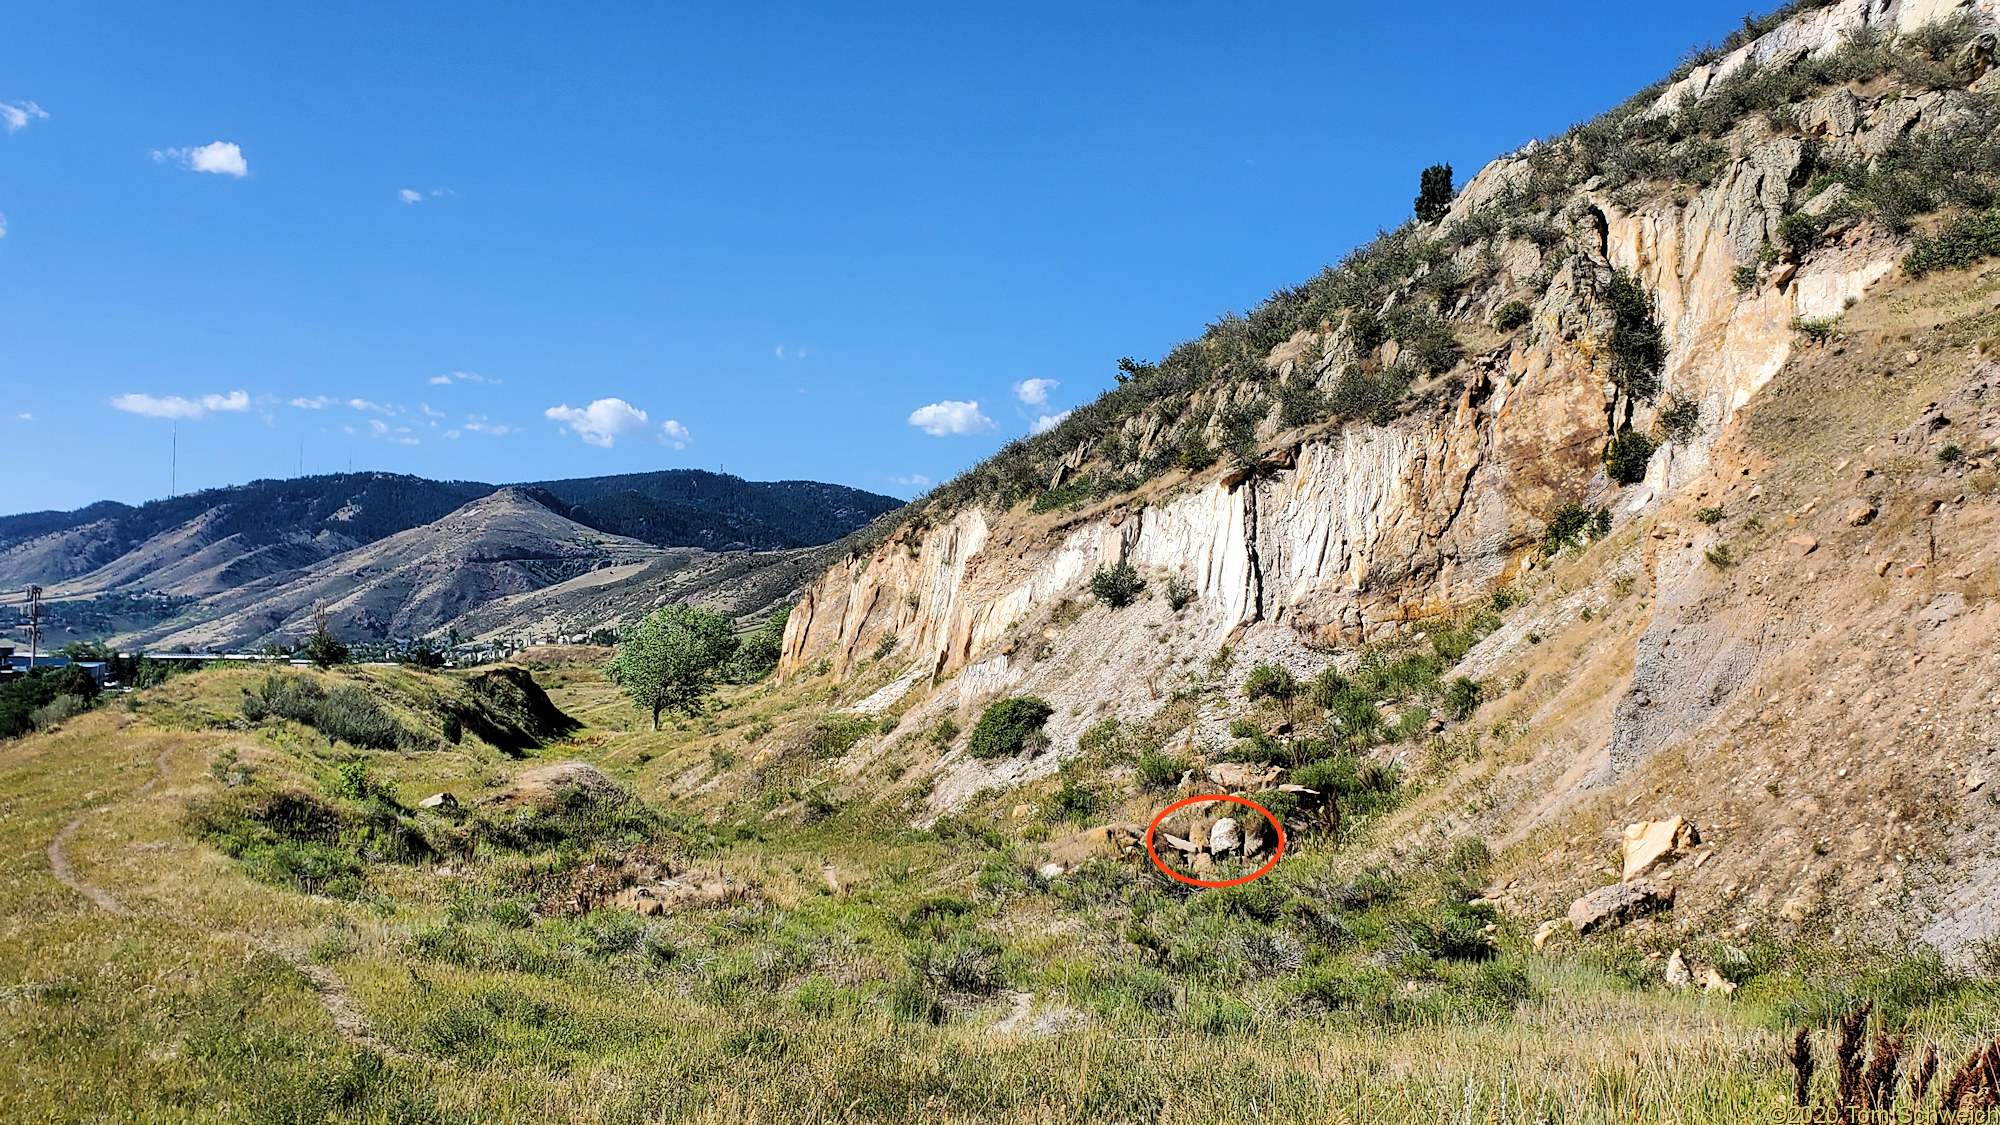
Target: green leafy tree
(1434,193)
(758,654)
(672,660)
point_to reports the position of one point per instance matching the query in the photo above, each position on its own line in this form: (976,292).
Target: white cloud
(222,158)
(478,424)
(25,417)
(408,196)
(428,412)
(1035,392)
(317,402)
(3,226)
(797,353)
(373,407)
(174,406)
(603,422)
(914,480)
(950,417)
(460,377)
(377,427)
(674,434)
(1047,422)
(16,117)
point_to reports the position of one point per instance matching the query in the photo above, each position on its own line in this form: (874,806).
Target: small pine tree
(1434,193)
(325,649)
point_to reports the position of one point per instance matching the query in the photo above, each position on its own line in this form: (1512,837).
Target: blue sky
(479,241)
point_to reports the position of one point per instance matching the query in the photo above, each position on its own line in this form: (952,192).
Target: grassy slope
(199,1006)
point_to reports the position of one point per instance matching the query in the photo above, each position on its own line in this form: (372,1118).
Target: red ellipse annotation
(1177,805)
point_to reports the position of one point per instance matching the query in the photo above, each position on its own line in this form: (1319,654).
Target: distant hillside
(690,508)
(220,539)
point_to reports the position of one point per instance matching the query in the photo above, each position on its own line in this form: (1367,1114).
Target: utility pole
(34,625)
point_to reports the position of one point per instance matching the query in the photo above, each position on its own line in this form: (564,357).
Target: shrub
(942,733)
(1074,800)
(1817,329)
(1158,772)
(1679,419)
(1300,402)
(1511,315)
(1117,586)
(349,714)
(1102,741)
(1565,528)
(834,735)
(1007,726)
(1959,243)
(1626,455)
(1800,232)
(52,714)
(1461,698)
(1710,516)
(1951,454)
(1719,555)
(1434,193)
(1195,457)
(1745,277)
(1179,592)
(1637,346)
(1270,681)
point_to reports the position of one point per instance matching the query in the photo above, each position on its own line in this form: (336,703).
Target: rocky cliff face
(1783,635)
(1338,533)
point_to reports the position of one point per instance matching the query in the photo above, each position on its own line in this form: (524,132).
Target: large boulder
(1617,904)
(1650,841)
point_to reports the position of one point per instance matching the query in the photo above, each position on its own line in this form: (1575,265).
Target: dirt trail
(332,991)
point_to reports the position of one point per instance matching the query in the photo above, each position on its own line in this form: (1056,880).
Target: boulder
(1235,775)
(1224,838)
(1107,841)
(1202,865)
(1188,847)
(1858,512)
(1617,904)
(1052,871)
(438,801)
(1650,841)
(1712,981)
(1802,545)
(1545,931)
(1677,974)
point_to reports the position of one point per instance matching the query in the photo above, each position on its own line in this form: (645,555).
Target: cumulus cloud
(1035,392)
(674,434)
(408,196)
(221,157)
(1047,422)
(16,117)
(603,422)
(174,406)
(950,417)
(317,402)
(914,480)
(478,424)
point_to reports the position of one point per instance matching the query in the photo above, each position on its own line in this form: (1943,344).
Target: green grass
(1338,983)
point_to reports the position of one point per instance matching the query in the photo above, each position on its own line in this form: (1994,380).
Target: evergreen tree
(1434,194)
